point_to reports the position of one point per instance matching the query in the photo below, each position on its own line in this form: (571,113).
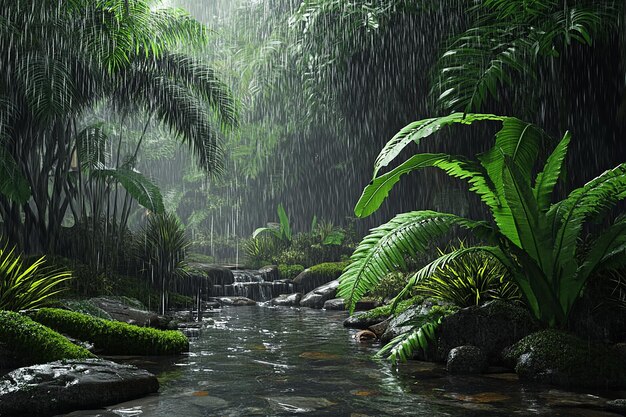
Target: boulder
(317,297)
(363,320)
(318,275)
(270,273)
(379,328)
(559,358)
(405,321)
(64,386)
(490,327)
(122,311)
(335,304)
(214,274)
(466,360)
(287,300)
(236,301)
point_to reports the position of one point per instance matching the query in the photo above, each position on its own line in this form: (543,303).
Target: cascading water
(258,286)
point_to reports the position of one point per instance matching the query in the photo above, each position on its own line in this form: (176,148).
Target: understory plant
(471,279)
(536,240)
(24,286)
(162,252)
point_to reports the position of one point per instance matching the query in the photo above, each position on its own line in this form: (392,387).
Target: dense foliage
(34,342)
(113,338)
(536,241)
(24,286)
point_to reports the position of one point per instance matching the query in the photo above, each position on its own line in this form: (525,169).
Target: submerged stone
(63,386)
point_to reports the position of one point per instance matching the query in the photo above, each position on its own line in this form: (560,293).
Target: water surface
(263,361)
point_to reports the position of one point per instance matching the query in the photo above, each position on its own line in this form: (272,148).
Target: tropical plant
(113,52)
(261,251)
(280,231)
(535,240)
(25,286)
(162,252)
(471,279)
(508,39)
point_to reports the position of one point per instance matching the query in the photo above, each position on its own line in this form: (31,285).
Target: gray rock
(362,321)
(236,301)
(64,386)
(366,305)
(317,297)
(335,304)
(399,324)
(120,311)
(466,360)
(270,273)
(379,328)
(491,327)
(618,405)
(287,300)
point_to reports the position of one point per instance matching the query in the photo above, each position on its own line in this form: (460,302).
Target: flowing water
(262,361)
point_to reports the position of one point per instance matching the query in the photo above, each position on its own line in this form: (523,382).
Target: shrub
(471,279)
(25,286)
(113,338)
(289,271)
(389,286)
(34,342)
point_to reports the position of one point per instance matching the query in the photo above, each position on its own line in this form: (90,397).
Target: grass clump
(34,343)
(113,338)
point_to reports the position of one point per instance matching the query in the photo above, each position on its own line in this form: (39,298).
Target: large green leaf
(144,191)
(285,227)
(530,223)
(421,129)
(384,250)
(547,179)
(12,183)
(378,190)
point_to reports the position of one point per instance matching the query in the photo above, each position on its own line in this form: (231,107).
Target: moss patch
(329,270)
(113,338)
(34,343)
(383,312)
(289,271)
(563,359)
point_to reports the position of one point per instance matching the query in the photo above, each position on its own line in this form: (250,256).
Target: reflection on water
(262,361)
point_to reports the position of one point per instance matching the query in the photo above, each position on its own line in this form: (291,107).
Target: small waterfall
(258,285)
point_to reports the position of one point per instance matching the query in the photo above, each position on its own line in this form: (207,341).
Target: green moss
(113,338)
(34,342)
(561,358)
(328,270)
(289,271)
(385,311)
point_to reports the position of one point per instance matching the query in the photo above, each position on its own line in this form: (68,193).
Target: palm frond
(384,250)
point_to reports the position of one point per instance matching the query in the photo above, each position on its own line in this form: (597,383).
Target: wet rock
(236,301)
(287,300)
(399,324)
(212,305)
(335,304)
(379,328)
(491,327)
(362,321)
(466,360)
(295,404)
(618,406)
(317,297)
(559,358)
(270,273)
(365,335)
(213,274)
(318,275)
(365,305)
(64,386)
(119,310)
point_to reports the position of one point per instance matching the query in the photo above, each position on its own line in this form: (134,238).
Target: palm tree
(60,59)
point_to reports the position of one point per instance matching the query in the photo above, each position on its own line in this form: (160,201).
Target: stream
(265,361)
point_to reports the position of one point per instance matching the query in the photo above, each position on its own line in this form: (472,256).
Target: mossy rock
(318,275)
(289,271)
(559,358)
(379,314)
(27,342)
(113,338)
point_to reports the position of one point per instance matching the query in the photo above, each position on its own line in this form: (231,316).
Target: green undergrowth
(385,311)
(35,343)
(113,338)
